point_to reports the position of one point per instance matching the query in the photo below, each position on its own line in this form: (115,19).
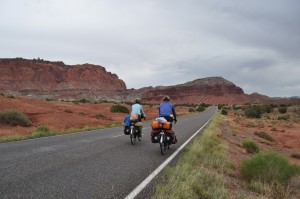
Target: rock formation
(45,77)
(207,90)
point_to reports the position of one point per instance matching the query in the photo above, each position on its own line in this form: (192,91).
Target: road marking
(143,184)
(116,136)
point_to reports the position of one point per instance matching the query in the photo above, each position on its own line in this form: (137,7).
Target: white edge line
(116,136)
(143,184)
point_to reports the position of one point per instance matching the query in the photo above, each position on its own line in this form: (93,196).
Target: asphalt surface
(93,164)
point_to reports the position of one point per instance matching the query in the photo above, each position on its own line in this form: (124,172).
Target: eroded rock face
(207,90)
(45,79)
(38,76)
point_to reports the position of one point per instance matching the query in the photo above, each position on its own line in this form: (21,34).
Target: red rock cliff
(45,76)
(207,90)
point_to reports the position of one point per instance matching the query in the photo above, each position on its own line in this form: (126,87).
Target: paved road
(94,164)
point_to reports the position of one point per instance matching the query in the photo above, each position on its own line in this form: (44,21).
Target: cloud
(254,44)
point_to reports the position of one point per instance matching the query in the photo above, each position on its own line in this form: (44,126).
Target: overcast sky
(255,44)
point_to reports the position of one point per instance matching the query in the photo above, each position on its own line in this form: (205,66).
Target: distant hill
(45,79)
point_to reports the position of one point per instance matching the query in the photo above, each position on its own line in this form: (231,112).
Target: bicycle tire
(161,144)
(132,137)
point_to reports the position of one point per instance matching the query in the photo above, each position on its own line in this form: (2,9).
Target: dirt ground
(60,116)
(285,133)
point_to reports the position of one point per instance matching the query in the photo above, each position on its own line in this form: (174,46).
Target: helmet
(166,97)
(137,100)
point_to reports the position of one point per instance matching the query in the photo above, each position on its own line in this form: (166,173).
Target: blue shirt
(166,108)
(138,109)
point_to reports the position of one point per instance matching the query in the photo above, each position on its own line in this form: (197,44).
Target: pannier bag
(155,136)
(127,120)
(158,125)
(138,124)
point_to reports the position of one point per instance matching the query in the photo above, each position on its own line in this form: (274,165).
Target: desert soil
(59,116)
(286,135)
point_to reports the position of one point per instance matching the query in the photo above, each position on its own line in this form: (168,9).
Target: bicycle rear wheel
(162,144)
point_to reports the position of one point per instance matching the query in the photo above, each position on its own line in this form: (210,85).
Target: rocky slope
(211,90)
(44,77)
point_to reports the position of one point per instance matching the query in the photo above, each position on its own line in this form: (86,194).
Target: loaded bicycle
(163,134)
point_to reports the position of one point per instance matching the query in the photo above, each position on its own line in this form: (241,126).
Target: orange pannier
(158,125)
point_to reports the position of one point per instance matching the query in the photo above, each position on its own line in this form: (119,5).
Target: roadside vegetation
(226,163)
(199,172)
(44,131)
(13,118)
(119,109)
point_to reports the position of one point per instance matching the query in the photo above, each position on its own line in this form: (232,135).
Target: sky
(255,44)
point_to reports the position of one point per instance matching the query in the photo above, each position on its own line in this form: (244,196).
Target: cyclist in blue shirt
(166,109)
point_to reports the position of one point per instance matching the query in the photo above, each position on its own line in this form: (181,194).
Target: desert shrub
(205,105)
(282,109)
(264,135)
(283,117)
(191,110)
(68,111)
(236,107)
(11,138)
(224,112)
(42,128)
(255,186)
(250,146)
(14,118)
(266,109)
(220,106)
(269,167)
(296,155)
(41,131)
(200,108)
(100,115)
(11,96)
(252,112)
(83,100)
(119,109)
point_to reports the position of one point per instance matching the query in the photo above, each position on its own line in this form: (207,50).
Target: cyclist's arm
(174,113)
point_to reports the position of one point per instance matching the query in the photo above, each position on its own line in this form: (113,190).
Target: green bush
(42,128)
(250,146)
(269,167)
(191,110)
(119,109)
(41,131)
(220,106)
(252,112)
(264,135)
(200,108)
(83,100)
(224,112)
(282,109)
(14,118)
